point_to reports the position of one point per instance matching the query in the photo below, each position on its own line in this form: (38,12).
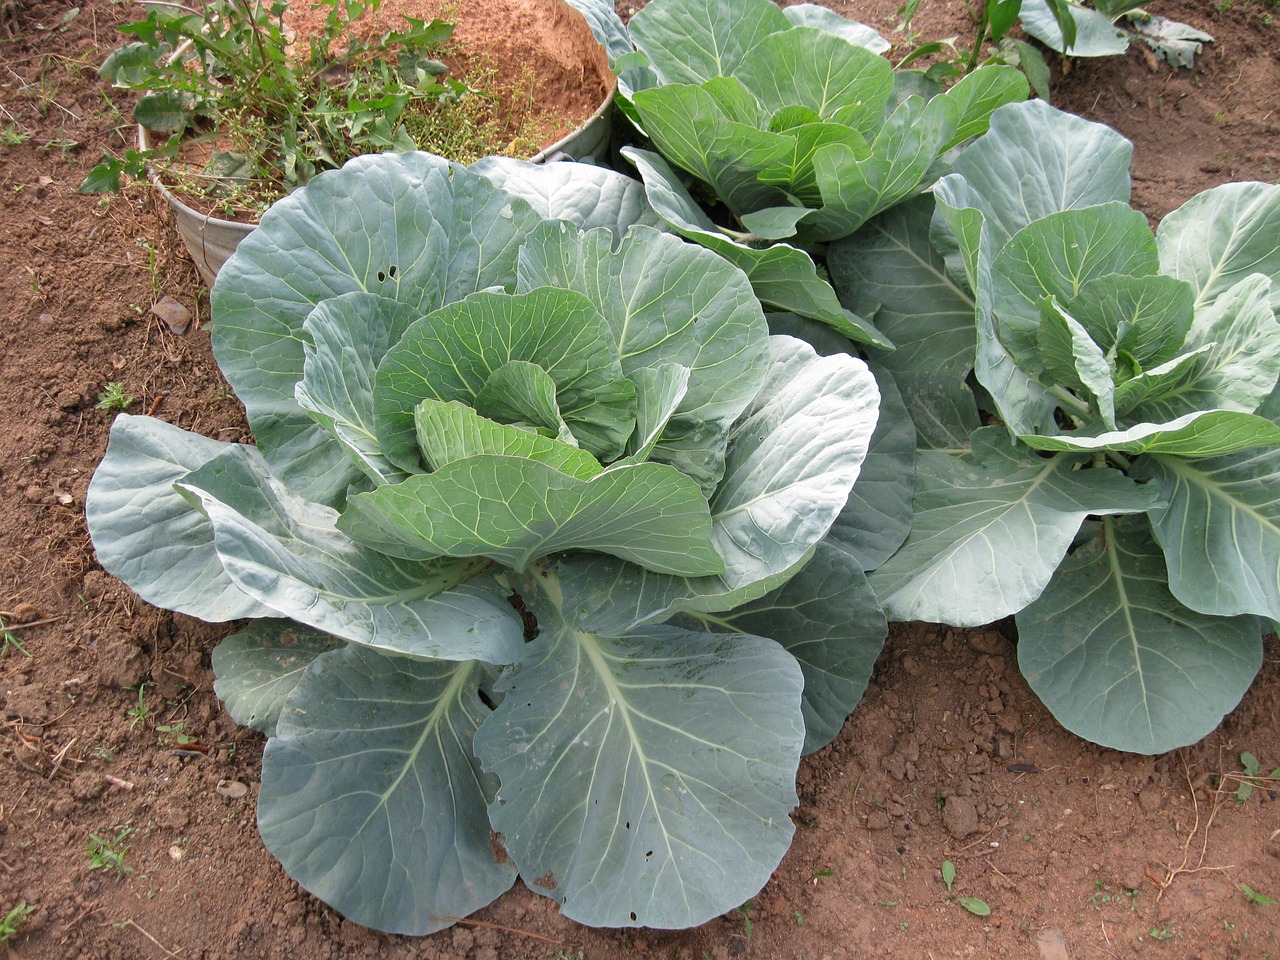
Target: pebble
(232,789)
(176,316)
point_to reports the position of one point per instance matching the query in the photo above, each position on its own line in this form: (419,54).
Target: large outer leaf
(877,516)
(1119,661)
(793,458)
(889,269)
(1219,525)
(1033,161)
(411,227)
(288,555)
(258,667)
(689,41)
(147,534)
(371,797)
(1096,35)
(812,15)
(989,530)
(827,617)
(1223,235)
(451,353)
(586,195)
(516,510)
(646,778)
(345,339)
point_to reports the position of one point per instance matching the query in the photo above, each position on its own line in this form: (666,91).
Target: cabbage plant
(775,131)
(1111,478)
(531,546)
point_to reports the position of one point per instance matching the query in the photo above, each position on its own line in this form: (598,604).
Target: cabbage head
(530,546)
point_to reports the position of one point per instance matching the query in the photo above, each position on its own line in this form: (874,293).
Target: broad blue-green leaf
(979,94)
(452,431)
(1119,661)
(1209,433)
(1054,257)
(806,66)
(1219,525)
(812,15)
(689,41)
(288,554)
(1033,161)
(695,132)
(515,511)
(828,618)
(1071,358)
(793,458)
(634,769)
(345,338)
(1239,366)
(905,148)
(972,514)
(522,392)
(258,668)
(371,797)
(890,270)
(1096,35)
(430,232)
(587,196)
(1219,237)
(450,354)
(781,275)
(666,301)
(876,518)
(147,534)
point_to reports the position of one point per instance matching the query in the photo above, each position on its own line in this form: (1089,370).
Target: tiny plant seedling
(175,733)
(108,853)
(1250,764)
(9,926)
(10,639)
(113,397)
(1254,897)
(139,713)
(974,905)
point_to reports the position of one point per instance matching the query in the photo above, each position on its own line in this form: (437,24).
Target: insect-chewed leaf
(371,797)
(633,766)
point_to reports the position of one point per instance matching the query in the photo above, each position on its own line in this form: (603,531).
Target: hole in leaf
(633,915)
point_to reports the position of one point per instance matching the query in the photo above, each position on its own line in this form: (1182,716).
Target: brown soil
(1079,851)
(545,44)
